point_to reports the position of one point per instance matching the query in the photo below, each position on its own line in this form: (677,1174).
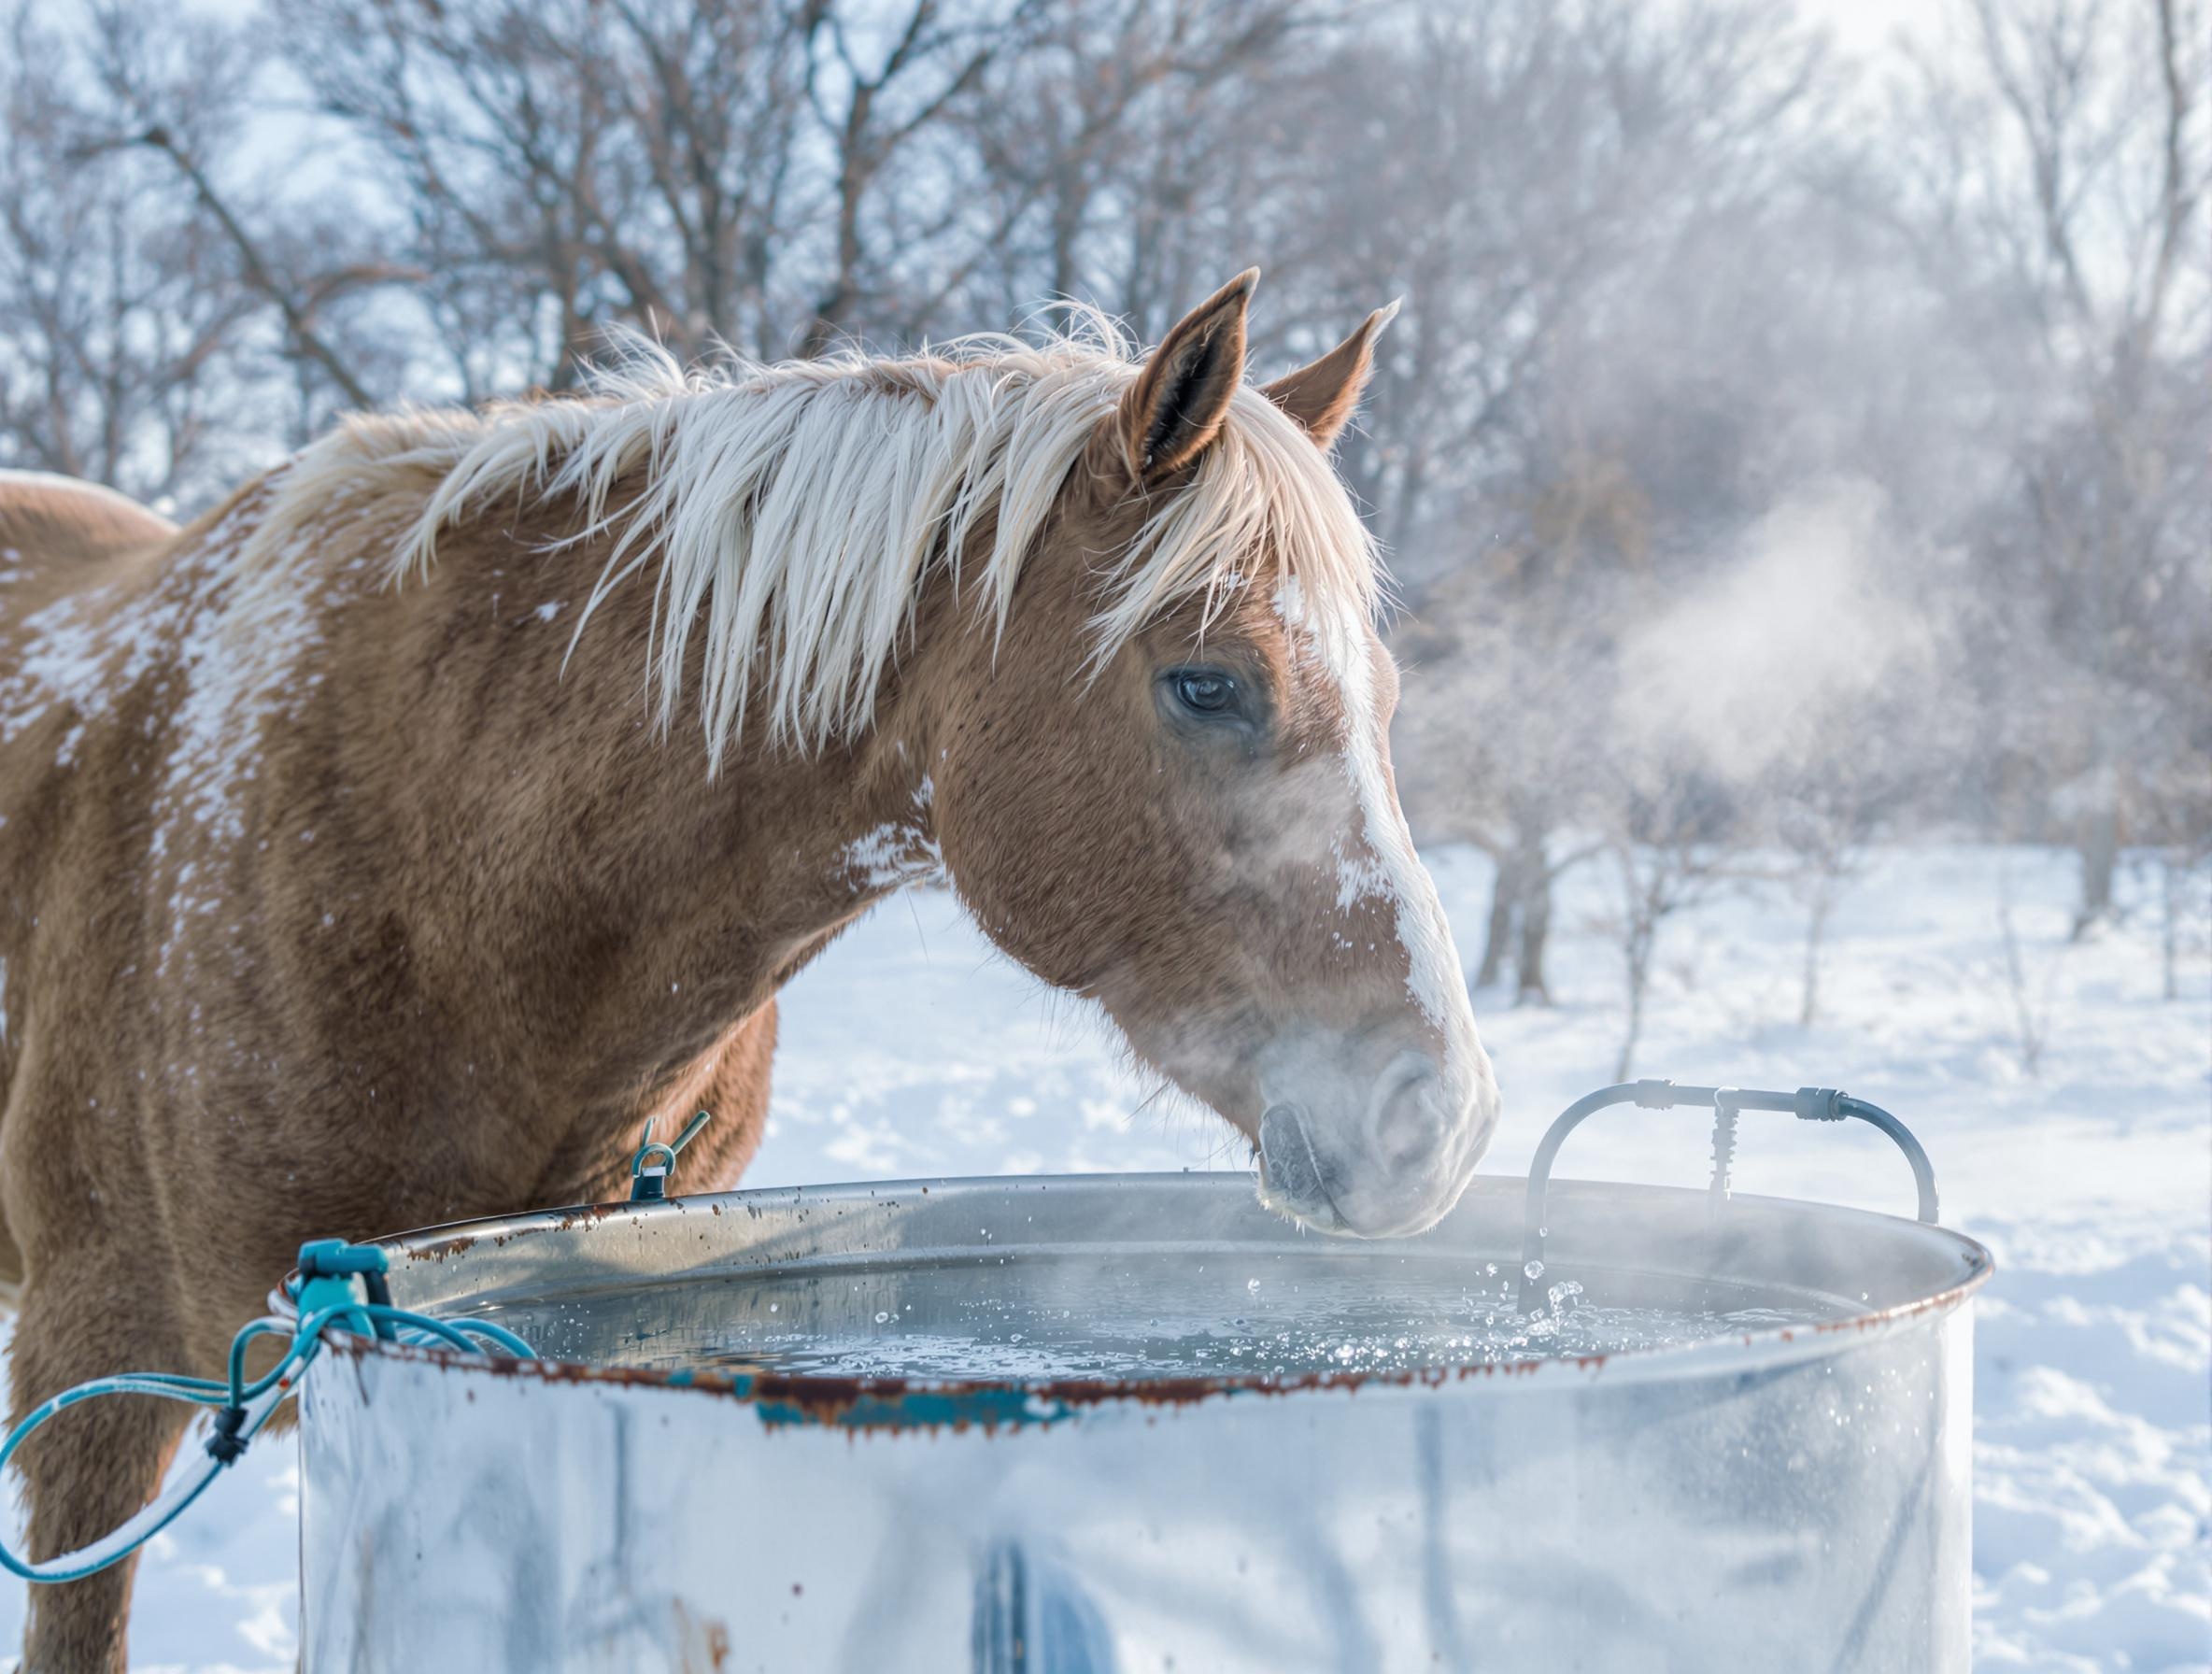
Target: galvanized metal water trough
(1790,1498)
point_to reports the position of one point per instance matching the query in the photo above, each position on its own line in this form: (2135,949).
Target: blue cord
(243,1406)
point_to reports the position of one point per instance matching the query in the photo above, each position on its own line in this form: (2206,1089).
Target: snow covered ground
(912,1049)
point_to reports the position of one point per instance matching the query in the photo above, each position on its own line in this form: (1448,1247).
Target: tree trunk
(1536,931)
(2100,856)
(1643,931)
(1505,892)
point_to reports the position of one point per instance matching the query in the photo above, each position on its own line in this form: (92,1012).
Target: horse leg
(97,1463)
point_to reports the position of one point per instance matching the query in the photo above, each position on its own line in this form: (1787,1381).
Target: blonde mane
(798,507)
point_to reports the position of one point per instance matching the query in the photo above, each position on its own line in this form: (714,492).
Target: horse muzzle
(1386,1164)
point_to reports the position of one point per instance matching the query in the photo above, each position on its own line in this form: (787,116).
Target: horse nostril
(1410,1126)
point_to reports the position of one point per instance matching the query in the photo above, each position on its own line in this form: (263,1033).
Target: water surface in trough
(1116,1314)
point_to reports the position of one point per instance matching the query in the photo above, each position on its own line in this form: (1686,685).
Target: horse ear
(1323,396)
(1179,402)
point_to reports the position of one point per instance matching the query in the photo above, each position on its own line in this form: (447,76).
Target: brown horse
(381,849)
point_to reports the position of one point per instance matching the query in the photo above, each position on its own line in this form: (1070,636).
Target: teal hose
(242,1405)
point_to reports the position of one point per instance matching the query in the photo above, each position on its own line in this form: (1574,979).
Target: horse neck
(599,898)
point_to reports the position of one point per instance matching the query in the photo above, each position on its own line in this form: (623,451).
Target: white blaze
(1388,869)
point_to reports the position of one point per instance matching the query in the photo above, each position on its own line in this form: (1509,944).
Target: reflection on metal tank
(676,1488)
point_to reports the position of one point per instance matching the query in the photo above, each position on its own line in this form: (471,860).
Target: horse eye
(1206,694)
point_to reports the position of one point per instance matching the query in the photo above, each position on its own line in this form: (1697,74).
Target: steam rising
(1757,662)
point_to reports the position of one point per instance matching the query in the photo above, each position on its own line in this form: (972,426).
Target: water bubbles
(1047,1318)
(1252,1285)
(1535,1270)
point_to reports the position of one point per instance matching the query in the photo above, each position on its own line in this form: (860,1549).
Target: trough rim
(890,1404)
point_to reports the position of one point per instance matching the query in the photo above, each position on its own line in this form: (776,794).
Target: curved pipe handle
(1808,1104)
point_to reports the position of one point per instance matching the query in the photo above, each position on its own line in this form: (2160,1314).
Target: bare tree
(1506,733)
(1511,170)
(1552,191)
(1825,818)
(120,322)
(1667,838)
(777,174)
(2056,193)
(881,105)
(561,167)
(1135,147)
